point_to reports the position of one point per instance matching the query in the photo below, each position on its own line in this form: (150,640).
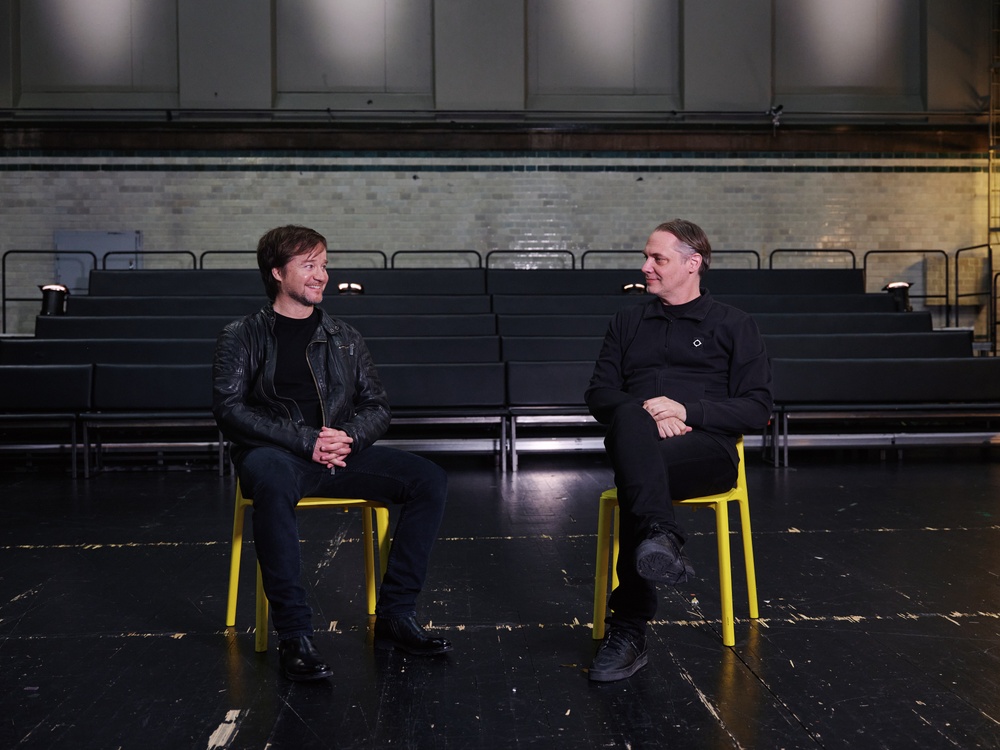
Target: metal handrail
(991,309)
(143,253)
(536,253)
(947,276)
(754,253)
(583,258)
(4,299)
(770,258)
(479,258)
(201,258)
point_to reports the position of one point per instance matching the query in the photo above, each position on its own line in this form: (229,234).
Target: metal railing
(635,256)
(811,250)
(426,253)
(530,259)
(144,253)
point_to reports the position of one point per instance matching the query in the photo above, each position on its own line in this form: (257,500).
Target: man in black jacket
(678,380)
(297,394)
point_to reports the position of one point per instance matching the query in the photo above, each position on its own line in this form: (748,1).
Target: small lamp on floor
(350,287)
(54,299)
(900,292)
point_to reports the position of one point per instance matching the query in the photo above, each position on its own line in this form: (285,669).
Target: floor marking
(226,731)
(507,538)
(791,619)
(710,707)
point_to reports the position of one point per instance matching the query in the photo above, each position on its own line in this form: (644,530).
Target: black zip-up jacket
(711,359)
(251,414)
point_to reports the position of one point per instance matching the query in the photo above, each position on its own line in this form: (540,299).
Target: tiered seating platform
(494,360)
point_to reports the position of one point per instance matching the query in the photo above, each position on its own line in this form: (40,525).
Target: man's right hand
(671,427)
(332,447)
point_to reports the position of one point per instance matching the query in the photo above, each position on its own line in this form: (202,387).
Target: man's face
(303,278)
(671,274)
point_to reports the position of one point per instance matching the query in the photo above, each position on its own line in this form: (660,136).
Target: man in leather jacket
(297,394)
(678,380)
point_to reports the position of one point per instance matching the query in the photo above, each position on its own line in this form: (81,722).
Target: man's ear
(276,273)
(698,260)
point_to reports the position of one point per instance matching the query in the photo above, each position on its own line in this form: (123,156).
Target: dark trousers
(277,480)
(650,473)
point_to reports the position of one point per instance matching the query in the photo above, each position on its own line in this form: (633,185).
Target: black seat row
(466,304)
(943,395)
(474,281)
(485,348)
(496,395)
(477,324)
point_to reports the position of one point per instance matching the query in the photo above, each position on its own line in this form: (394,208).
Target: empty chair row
(466,304)
(507,396)
(476,324)
(486,348)
(246,282)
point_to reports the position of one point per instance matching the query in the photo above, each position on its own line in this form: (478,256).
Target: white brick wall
(467,202)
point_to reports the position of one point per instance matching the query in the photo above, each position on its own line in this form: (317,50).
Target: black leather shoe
(406,634)
(659,558)
(620,655)
(300,661)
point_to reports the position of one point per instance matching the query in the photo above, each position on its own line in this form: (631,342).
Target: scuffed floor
(880,617)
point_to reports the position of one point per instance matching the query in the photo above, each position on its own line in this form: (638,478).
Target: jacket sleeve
(234,370)
(606,390)
(371,413)
(749,403)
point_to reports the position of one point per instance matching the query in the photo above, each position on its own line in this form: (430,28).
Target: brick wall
(490,201)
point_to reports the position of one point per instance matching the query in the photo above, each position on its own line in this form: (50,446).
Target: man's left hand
(662,407)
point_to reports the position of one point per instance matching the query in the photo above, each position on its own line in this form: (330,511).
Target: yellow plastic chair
(607,546)
(369,509)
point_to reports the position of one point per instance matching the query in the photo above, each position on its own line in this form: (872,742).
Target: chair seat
(374,517)
(607,550)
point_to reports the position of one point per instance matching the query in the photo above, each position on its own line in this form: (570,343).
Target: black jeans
(650,473)
(277,480)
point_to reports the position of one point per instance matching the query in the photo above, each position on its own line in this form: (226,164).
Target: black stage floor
(880,617)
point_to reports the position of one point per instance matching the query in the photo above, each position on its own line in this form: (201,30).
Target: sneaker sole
(653,564)
(619,674)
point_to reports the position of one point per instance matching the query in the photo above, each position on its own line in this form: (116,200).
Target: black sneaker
(620,655)
(659,558)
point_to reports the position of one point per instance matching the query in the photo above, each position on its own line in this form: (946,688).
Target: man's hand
(669,415)
(332,447)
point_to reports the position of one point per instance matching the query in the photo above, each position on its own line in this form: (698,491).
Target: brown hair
(280,245)
(692,236)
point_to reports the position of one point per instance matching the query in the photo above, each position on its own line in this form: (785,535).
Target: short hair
(280,245)
(692,237)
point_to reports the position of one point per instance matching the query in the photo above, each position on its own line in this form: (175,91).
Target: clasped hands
(670,416)
(332,447)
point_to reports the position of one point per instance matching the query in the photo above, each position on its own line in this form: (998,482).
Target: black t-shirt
(293,377)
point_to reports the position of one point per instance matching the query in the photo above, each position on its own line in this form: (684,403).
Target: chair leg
(604,522)
(382,532)
(368,548)
(725,573)
(748,558)
(260,639)
(236,552)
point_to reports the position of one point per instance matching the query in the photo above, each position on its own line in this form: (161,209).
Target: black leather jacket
(251,414)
